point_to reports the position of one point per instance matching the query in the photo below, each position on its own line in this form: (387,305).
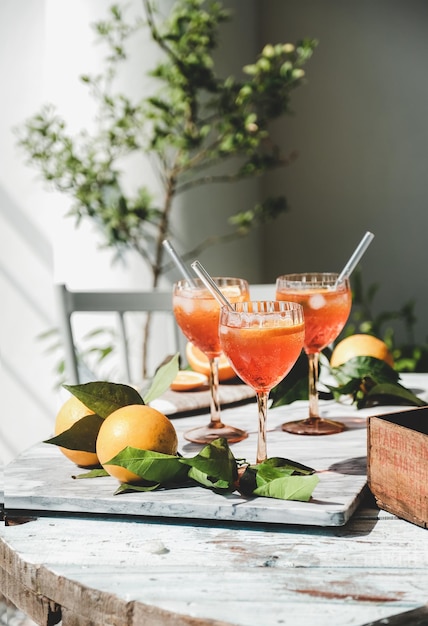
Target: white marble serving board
(172,403)
(41,478)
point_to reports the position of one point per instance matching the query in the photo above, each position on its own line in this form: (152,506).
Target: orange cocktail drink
(326,304)
(197,313)
(262,356)
(262,340)
(325,310)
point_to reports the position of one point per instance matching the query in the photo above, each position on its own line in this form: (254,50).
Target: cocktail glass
(262,340)
(326,303)
(197,313)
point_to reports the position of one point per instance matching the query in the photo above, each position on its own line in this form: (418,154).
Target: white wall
(26,254)
(361,130)
(44,47)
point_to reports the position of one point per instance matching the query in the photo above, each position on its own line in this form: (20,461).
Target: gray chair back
(71,302)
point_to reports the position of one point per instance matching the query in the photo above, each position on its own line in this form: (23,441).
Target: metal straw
(210,284)
(178,261)
(355,258)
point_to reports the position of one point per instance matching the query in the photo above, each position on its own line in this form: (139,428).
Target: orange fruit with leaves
(139,426)
(360,345)
(71,412)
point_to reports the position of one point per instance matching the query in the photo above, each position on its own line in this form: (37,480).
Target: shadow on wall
(28,396)
(28,231)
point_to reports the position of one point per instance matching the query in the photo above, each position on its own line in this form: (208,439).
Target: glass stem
(215,396)
(262,400)
(313,385)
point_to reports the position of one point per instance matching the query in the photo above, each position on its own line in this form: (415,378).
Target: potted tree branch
(197,128)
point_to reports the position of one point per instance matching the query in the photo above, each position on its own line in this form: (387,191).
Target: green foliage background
(193,123)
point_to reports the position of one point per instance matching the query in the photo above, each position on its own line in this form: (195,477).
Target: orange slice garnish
(187,380)
(200,363)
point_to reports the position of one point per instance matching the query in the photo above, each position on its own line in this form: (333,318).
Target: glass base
(207,434)
(313,426)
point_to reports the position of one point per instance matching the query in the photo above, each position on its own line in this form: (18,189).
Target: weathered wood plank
(398,459)
(137,614)
(38,607)
(102,571)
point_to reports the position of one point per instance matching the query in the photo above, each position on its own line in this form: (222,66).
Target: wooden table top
(116,571)
(100,569)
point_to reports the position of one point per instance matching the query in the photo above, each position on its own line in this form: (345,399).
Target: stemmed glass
(262,340)
(326,303)
(197,313)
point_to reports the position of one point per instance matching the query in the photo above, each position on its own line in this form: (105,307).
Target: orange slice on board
(187,380)
(200,363)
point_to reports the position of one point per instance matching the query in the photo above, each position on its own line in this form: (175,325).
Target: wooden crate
(398,463)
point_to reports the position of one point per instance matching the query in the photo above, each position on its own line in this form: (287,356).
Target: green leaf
(127,487)
(105,397)
(215,462)
(151,466)
(162,379)
(294,386)
(81,436)
(288,487)
(362,366)
(288,392)
(266,474)
(349,387)
(387,392)
(276,467)
(371,381)
(207,481)
(94,473)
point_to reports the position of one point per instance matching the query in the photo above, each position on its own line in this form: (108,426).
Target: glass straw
(210,284)
(178,261)
(355,257)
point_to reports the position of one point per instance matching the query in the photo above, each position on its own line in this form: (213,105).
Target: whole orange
(71,412)
(360,345)
(135,425)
